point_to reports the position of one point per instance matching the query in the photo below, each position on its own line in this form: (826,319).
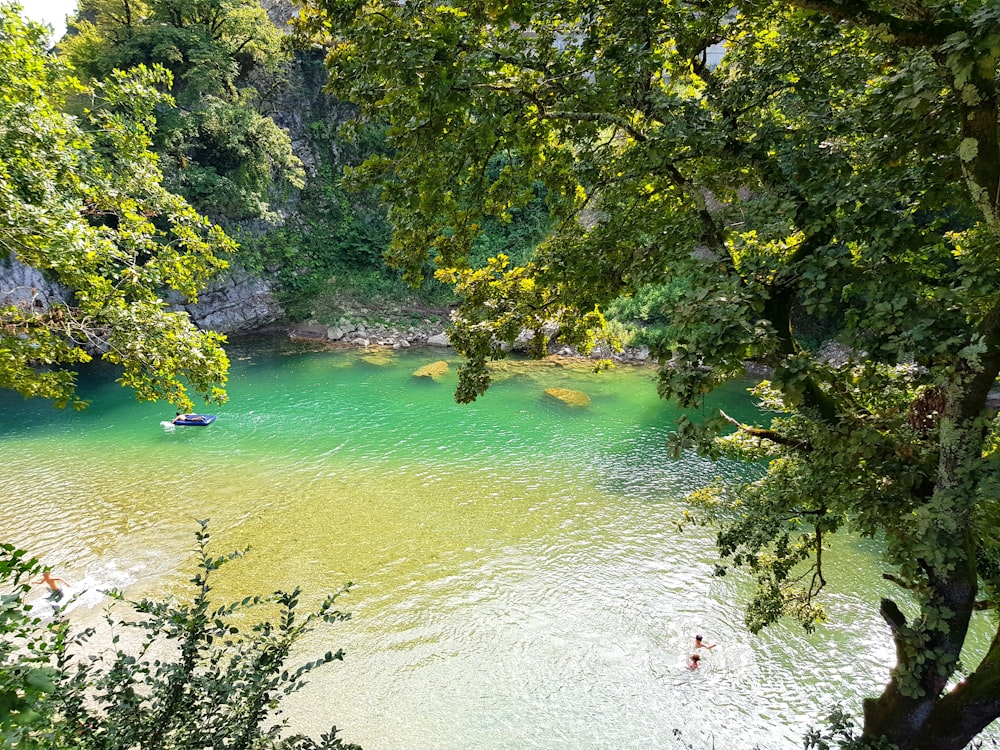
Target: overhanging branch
(909,33)
(604,117)
(769,435)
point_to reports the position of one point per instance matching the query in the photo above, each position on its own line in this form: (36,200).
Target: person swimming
(700,643)
(694,661)
(52,582)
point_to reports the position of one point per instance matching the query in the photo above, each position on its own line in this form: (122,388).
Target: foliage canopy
(82,203)
(839,161)
(220,146)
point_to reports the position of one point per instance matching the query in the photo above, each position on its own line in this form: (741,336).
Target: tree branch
(605,117)
(909,33)
(770,435)
(900,582)
(892,615)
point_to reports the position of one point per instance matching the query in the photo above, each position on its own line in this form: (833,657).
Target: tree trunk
(929,721)
(913,711)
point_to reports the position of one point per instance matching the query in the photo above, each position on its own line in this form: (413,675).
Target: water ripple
(520,579)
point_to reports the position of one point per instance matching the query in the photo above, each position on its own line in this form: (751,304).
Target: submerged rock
(434,370)
(568,396)
(378,358)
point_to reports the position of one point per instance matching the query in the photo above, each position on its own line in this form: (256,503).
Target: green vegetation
(838,170)
(328,256)
(841,161)
(219,147)
(83,204)
(192,674)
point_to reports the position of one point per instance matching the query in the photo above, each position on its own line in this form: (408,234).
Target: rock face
(568,396)
(23,285)
(234,302)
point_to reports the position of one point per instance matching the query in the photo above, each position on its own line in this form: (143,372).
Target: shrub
(194,678)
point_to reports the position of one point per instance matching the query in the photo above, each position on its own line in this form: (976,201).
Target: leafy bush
(515,238)
(330,254)
(26,650)
(192,679)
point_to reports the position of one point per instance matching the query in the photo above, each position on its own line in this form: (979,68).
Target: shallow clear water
(520,580)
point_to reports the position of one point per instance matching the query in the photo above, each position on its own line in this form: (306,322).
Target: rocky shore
(430,332)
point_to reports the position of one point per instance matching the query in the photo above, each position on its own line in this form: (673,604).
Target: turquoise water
(520,580)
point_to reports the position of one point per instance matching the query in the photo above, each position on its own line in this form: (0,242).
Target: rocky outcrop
(24,286)
(367,333)
(234,302)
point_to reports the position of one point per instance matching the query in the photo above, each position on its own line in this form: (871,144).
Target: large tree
(220,146)
(81,203)
(840,162)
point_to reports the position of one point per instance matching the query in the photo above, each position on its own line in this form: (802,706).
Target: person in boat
(52,582)
(187,418)
(699,642)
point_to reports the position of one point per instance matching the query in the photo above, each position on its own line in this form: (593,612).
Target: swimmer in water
(695,659)
(700,643)
(53,583)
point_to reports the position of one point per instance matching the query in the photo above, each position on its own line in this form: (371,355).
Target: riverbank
(428,328)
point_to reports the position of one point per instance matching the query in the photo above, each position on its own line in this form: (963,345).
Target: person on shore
(52,582)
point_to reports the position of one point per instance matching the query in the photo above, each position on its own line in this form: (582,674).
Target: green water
(520,579)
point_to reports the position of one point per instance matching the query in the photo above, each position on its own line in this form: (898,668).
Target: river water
(520,578)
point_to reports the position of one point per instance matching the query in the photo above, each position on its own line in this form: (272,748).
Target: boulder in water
(434,370)
(378,358)
(568,396)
